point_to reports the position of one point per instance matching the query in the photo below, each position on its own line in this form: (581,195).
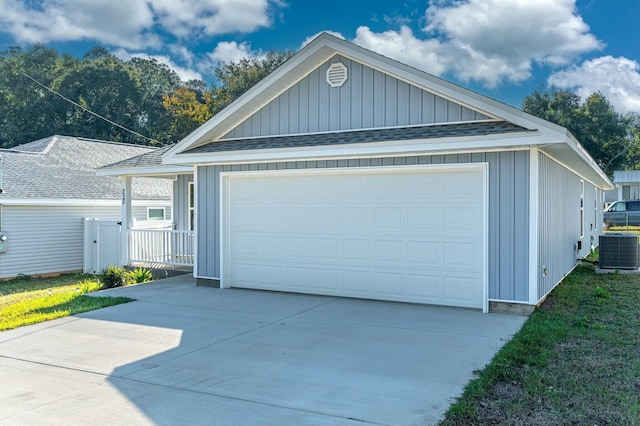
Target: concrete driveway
(183,354)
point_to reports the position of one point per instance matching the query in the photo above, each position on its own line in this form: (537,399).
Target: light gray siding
(559,227)
(368,99)
(508,212)
(181,202)
(49,239)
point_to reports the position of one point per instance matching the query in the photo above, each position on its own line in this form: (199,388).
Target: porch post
(127,220)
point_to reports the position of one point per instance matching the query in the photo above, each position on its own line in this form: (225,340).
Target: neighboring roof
(147,164)
(63,167)
(626,176)
(362,136)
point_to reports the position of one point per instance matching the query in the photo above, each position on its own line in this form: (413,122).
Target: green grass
(29,301)
(575,361)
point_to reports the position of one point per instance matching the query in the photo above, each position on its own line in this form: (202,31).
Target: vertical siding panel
(265,121)
(467,114)
(303,118)
(507,191)
(440,110)
(284,112)
(367,98)
(521,231)
(454,111)
(323,100)
(294,110)
(314,102)
(344,102)
(402,113)
(255,124)
(494,224)
(356,96)
(379,100)
(391,101)
(415,105)
(428,108)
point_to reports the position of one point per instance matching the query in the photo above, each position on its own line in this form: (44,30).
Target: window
(155,213)
(619,206)
(581,208)
(191,206)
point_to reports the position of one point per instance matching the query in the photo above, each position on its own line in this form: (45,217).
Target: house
(627,185)
(49,187)
(347,173)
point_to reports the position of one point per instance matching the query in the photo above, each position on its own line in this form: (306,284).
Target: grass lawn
(576,361)
(29,301)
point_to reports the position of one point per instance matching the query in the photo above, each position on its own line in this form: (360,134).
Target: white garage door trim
(225,203)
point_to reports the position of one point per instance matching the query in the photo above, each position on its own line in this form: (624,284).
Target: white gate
(102,244)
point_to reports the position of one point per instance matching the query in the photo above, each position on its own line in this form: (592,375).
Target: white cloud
(191,17)
(131,24)
(618,79)
(489,40)
(227,51)
(185,74)
(405,47)
(116,23)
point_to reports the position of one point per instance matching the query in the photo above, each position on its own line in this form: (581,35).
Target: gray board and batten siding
(368,99)
(559,224)
(181,201)
(508,244)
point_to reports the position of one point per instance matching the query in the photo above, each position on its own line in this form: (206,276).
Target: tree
(604,133)
(188,111)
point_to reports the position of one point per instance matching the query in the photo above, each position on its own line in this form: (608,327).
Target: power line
(18,70)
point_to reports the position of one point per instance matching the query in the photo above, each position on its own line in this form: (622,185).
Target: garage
(408,233)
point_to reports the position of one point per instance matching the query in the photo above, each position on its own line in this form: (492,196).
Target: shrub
(113,276)
(88,285)
(140,275)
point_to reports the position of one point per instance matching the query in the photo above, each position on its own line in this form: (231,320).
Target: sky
(504,49)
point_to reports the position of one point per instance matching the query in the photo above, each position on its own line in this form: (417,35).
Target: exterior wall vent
(337,74)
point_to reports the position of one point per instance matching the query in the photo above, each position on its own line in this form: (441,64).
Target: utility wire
(18,70)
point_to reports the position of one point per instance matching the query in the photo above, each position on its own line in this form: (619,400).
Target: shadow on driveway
(183,354)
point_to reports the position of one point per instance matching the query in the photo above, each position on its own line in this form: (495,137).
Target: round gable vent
(337,74)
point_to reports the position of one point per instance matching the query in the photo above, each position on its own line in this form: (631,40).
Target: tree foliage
(609,137)
(142,95)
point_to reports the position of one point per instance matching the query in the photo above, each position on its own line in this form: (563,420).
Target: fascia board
(145,171)
(375,149)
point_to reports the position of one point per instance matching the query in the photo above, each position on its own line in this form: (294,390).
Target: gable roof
(63,167)
(550,138)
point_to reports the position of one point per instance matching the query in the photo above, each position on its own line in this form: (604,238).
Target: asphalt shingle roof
(153,158)
(62,167)
(482,128)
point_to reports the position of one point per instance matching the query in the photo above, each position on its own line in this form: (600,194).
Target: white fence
(161,246)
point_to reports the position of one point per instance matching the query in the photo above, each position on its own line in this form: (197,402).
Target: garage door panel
(388,219)
(461,255)
(389,284)
(357,250)
(424,287)
(357,283)
(460,290)
(393,236)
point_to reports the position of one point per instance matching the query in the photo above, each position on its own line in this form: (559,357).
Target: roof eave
(139,171)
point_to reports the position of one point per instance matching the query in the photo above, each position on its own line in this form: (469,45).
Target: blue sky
(505,49)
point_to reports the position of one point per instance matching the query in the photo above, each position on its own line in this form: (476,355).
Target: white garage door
(401,234)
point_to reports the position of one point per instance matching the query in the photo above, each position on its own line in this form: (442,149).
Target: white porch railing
(161,246)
